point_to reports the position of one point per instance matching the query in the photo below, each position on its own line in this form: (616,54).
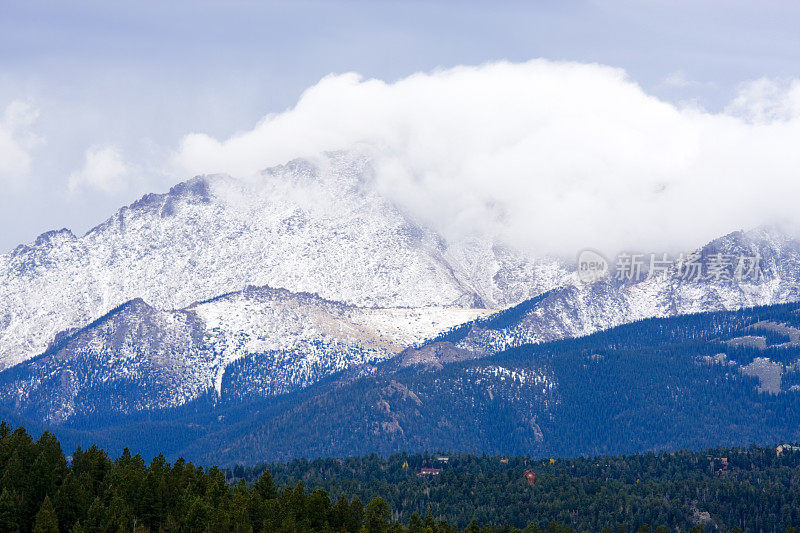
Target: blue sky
(140,76)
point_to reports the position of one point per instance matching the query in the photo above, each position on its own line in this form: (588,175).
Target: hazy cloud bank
(550,156)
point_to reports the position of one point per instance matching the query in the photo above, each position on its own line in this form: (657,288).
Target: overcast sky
(97,98)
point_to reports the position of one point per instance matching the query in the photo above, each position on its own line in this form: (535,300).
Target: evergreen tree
(377,515)
(14,478)
(340,515)
(757,493)
(197,516)
(118,516)
(415,524)
(72,500)
(96,515)
(355,516)
(239,515)
(264,486)
(429,522)
(319,507)
(8,512)
(49,468)
(46,519)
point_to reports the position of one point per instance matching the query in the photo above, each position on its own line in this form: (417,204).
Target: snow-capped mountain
(317,227)
(233,290)
(254,343)
(262,342)
(578,309)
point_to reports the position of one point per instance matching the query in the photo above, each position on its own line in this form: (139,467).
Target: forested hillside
(753,489)
(42,491)
(688,382)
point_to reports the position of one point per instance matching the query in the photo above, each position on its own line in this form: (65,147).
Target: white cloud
(551,156)
(104,170)
(17,140)
(766,101)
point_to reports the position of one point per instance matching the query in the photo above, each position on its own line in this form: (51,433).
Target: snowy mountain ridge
(233,290)
(307,227)
(171,358)
(578,309)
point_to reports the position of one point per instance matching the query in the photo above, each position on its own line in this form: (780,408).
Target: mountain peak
(320,228)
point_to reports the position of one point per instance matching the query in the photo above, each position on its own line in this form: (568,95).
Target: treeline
(41,491)
(723,489)
(753,489)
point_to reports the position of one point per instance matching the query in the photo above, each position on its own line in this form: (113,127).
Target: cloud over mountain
(550,156)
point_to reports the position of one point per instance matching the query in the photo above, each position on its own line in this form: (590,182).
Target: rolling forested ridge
(725,489)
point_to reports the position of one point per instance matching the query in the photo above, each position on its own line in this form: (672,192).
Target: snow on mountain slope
(310,228)
(134,358)
(138,358)
(263,320)
(316,227)
(579,309)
